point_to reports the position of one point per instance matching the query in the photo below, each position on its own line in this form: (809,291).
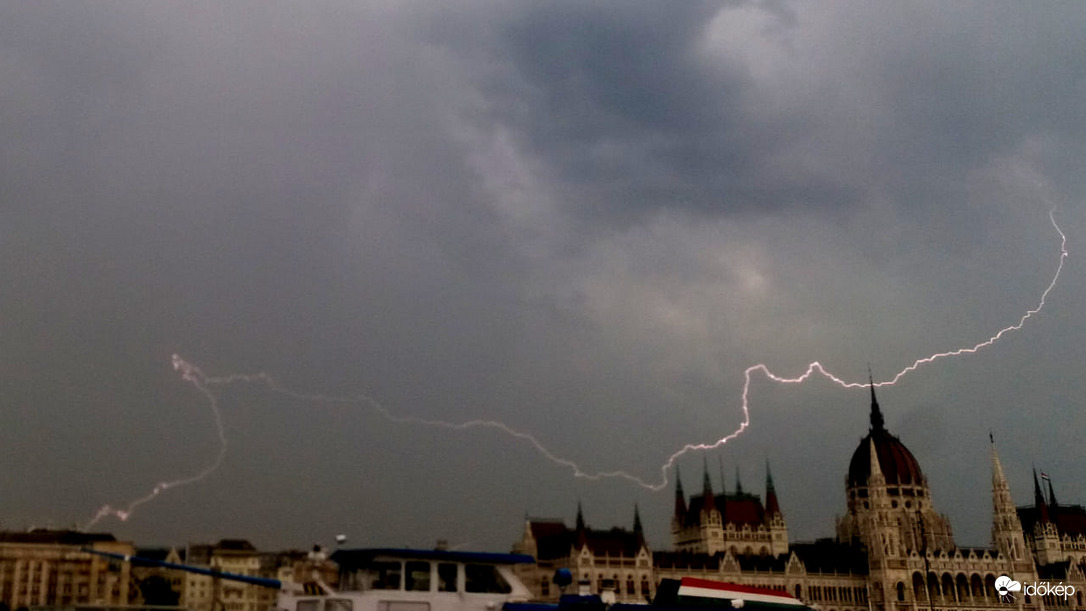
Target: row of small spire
(581,528)
(772,506)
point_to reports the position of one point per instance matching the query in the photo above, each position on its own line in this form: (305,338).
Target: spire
(708,501)
(580,518)
(1051,497)
(875,477)
(999,480)
(738,483)
(772,507)
(1006,527)
(877,423)
(723,482)
(680,497)
(637,520)
(1039,500)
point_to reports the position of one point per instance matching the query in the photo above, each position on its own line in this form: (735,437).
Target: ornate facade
(738,522)
(893,550)
(616,560)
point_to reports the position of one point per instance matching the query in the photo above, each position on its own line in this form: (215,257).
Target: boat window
(485,579)
(402,605)
(308,605)
(338,604)
(417,577)
(446,577)
(386,575)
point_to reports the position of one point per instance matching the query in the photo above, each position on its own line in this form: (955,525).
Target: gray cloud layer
(582,219)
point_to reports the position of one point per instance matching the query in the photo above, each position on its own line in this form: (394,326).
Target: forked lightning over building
(194,375)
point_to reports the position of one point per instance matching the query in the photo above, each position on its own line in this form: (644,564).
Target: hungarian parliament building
(893,550)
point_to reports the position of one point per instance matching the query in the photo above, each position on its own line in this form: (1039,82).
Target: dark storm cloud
(584,219)
(688,123)
(636,126)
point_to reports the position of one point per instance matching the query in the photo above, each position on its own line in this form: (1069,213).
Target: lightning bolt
(191,374)
(202,382)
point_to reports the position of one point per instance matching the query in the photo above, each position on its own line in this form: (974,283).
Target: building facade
(206,593)
(240,557)
(48,568)
(738,522)
(893,551)
(616,560)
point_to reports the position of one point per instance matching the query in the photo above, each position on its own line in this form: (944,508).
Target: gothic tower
(1007,535)
(778,529)
(889,503)
(1006,527)
(711,522)
(1046,539)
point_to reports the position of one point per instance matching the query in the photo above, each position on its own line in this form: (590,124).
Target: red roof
(898,464)
(555,540)
(738,508)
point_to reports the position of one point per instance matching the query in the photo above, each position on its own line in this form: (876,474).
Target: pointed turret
(778,529)
(722,500)
(708,499)
(999,480)
(1039,501)
(723,482)
(772,507)
(876,477)
(1052,504)
(877,422)
(738,482)
(637,521)
(1046,537)
(582,530)
(1006,527)
(680,497)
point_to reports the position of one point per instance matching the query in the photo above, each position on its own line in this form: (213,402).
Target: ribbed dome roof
(898,464)
(899,467)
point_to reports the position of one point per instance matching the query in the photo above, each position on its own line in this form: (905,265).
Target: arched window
(977,586)
(963,588)
(948,588)
(900,592)
(919,591)
(989,584)
(799,593)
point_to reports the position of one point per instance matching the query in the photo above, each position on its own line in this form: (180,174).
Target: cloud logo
(1005,585)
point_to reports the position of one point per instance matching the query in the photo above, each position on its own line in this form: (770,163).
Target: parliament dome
(899,466)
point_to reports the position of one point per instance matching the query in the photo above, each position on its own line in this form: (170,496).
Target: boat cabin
(417,580)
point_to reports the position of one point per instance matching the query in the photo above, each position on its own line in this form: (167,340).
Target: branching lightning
(192,374)
(202,382)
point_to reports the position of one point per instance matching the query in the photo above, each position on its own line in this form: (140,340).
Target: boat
(389,579)
(686,594)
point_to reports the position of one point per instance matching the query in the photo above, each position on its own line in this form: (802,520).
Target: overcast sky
(583,219)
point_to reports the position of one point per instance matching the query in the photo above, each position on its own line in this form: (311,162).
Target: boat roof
(690,592)
(358,558)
